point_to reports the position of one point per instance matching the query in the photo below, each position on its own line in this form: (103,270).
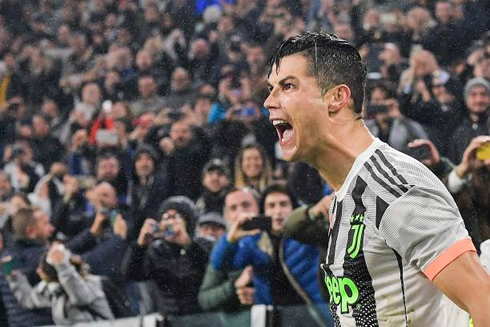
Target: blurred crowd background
(133,135)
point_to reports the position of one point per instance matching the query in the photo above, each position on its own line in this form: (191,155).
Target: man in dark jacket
(33,230)
(187,153)
(146,191)
(167,254)
(477,98)
(215,181)
(46,148)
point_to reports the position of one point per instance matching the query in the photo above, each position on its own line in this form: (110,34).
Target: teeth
(279,122)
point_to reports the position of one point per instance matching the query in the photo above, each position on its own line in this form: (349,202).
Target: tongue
(287,135)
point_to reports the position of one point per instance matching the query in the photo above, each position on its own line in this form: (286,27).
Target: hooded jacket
(176,271)
(72,300)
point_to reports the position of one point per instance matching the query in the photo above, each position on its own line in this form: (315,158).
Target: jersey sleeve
(426,229)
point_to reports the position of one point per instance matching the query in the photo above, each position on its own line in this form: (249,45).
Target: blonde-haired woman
(252,168)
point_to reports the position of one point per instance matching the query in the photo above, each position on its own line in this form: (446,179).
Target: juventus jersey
(393,228)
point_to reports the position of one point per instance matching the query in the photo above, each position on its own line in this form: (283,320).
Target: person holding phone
(169,259)
(285,270)
(388,123)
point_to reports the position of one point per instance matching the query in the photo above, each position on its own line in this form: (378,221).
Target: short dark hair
(277,187)
(21,220)
(333,61)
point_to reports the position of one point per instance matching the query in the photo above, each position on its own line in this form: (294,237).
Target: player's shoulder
(391,174)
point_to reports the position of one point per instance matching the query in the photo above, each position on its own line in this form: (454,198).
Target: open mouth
(284,130)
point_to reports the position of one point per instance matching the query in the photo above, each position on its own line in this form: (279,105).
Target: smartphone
(107,137)
(174,115)
(373,110)
(112,216)
(420,153)
(247,112)
(260,222)
(169,232)
(9,264)
(483,151)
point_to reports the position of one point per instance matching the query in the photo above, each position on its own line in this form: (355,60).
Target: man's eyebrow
(281,82)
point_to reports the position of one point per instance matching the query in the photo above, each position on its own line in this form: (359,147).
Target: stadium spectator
(168,254)
(33,231)
(215,182)
(252,168)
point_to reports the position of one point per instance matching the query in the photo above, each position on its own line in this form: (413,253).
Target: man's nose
(271,102)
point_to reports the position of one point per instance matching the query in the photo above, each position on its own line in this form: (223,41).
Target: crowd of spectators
(133,137)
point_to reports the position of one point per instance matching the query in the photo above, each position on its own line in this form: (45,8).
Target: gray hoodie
(72,300)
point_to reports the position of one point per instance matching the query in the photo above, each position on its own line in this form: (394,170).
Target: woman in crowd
(73,294)
(253,168)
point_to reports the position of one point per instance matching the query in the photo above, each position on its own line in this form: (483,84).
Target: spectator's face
(42,229)
(40,127)
(5,186)
(278,206)
(91,94)
(64,34)
(444,12)
(378,96)
(144,165)
(50,109)
(106,194)
(108,170)
(477,100)
(144,60)
(119,110)
(147,87)
(200,49)
(180,80)
(252,163)
(211,230)
(239,202)
(181,134)
(255,56)
(344,31)
(215,180)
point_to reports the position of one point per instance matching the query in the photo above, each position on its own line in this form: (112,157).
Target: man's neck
(337,155)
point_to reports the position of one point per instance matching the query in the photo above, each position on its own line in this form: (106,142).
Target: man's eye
(288,86)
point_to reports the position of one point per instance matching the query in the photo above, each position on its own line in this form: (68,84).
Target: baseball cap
(216,164)
(212,218)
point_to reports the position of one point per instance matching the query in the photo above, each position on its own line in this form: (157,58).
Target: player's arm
(467,284)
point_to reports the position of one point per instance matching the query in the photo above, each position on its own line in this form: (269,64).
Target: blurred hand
(98,224)
(167,145)
(71,186)
(434,158)
(120,227)
(180,235)
(56,254)
(246,295)
(323,206)
(146,232)
(245,277)
(469,161)
(236,232)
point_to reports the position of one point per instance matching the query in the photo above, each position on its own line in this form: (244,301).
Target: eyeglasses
(167,216)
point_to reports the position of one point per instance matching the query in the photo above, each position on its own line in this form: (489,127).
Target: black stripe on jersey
(400,266)
(381,207)
(390,166)
(355,268)
(334,233)
(380,181)
(388,177)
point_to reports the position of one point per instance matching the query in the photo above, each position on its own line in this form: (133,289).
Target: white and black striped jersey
(394,227)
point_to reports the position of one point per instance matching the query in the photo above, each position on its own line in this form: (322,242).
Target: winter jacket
(218,291)
(72,300)
(176,271)
(27,253)
(299,262)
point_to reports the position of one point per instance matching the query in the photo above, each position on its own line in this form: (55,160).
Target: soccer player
(397,240)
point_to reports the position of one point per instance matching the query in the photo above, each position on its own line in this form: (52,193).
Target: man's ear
(340,97)
(30,232)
